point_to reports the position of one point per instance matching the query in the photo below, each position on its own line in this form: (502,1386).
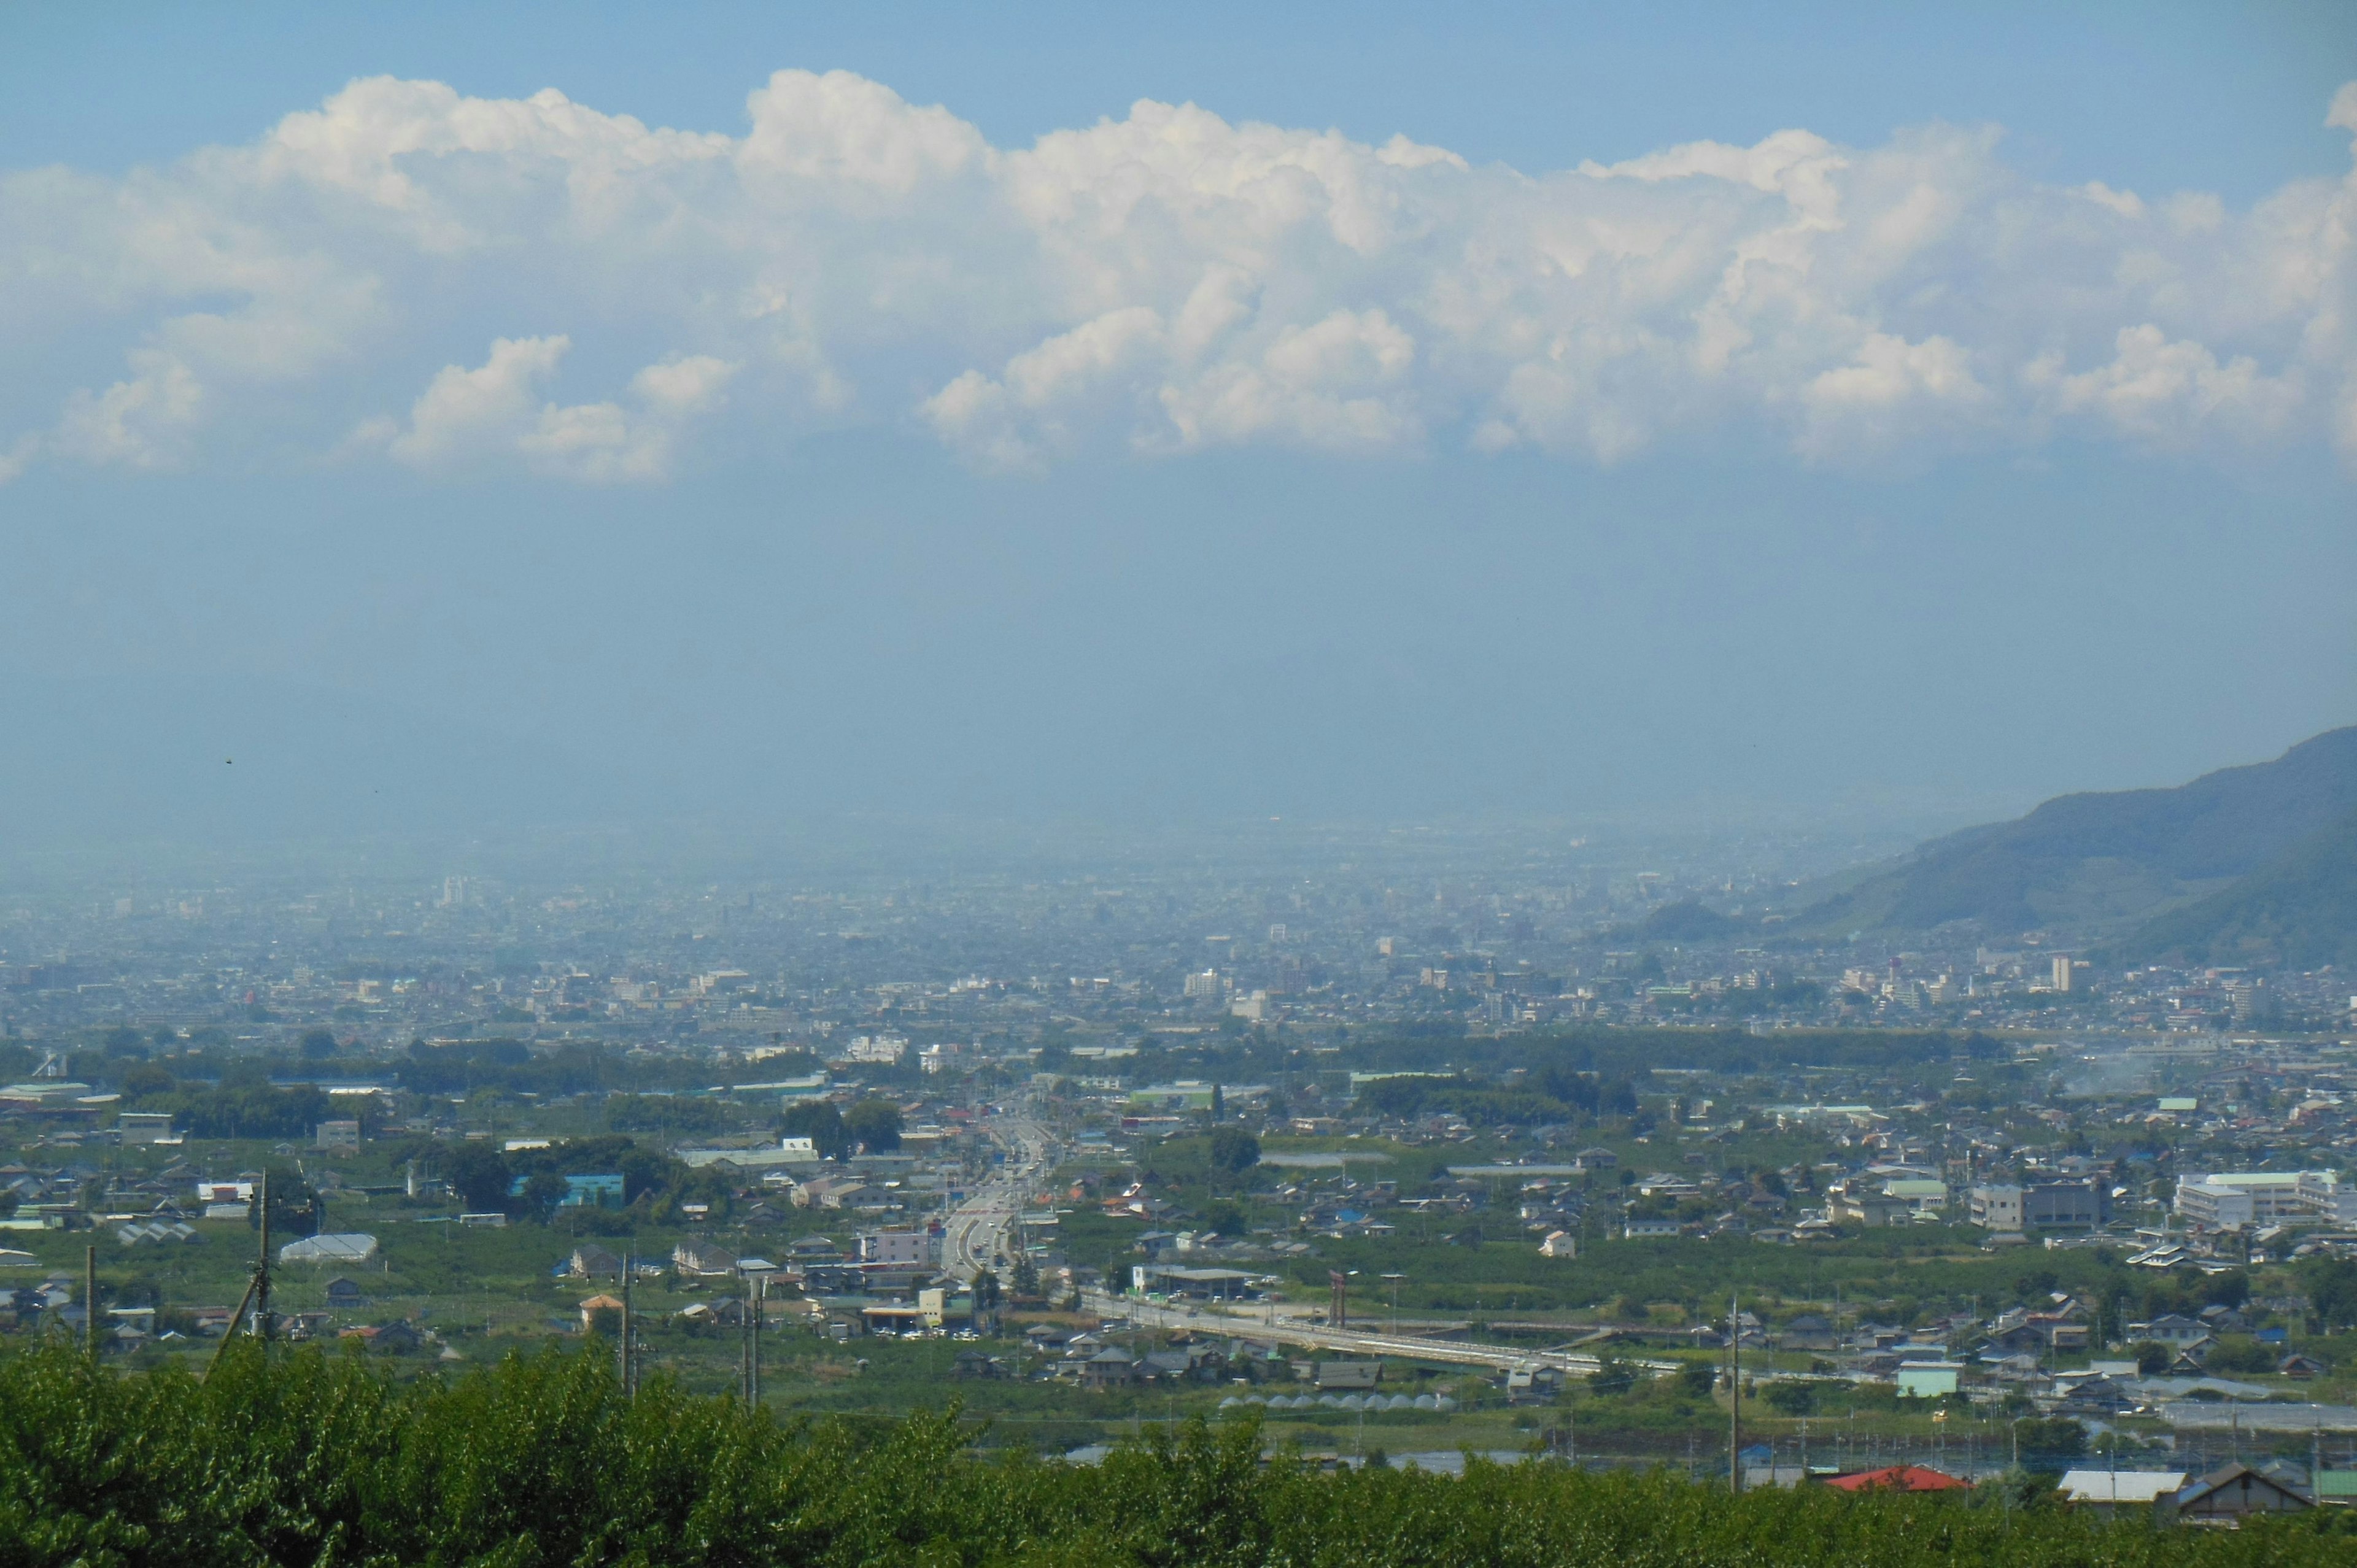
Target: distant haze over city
(449,429)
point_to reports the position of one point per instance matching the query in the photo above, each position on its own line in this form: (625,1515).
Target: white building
(144,1127)
(876,1048)
(1997,1207)
(2221,1200)
(897,1247)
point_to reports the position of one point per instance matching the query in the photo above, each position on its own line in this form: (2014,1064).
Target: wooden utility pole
(257,1288)
(760,1293)
(89,1300)
(1735,1394)
(261,1322)
(622,1352)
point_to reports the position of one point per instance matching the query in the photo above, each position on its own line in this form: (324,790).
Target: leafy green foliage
(312,1459)
(2332,1289)
(1234,1149)
(875,1121)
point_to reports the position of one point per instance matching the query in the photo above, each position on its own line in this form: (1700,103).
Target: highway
(1259,1324)
(975,1236)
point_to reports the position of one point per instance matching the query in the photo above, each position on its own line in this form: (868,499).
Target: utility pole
(261,1322)
(622,1351)
(89,1300)
(761,1311)
(1734,1394)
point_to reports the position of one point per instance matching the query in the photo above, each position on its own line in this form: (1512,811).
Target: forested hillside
(2109,862)
(2301,911)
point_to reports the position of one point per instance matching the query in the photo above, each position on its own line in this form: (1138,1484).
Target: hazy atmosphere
(411,425)
(1422,787)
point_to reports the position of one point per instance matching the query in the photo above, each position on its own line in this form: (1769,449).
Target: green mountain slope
(2106,864)
(2299,910)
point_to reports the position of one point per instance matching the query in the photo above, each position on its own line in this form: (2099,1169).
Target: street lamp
(1394,1279)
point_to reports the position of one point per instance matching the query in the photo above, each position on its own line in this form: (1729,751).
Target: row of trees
(313,1459)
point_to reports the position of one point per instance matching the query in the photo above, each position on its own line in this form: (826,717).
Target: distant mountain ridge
(2106,866)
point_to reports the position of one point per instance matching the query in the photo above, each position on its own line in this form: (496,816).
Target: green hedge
(314,1459)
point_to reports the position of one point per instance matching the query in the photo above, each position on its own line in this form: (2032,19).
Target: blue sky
(1399,411)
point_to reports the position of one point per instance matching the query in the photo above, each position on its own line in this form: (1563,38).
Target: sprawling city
(1059,786)
(1411,1144)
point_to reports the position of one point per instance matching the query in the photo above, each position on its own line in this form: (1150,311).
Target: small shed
(1347,1374)
(1928,1380)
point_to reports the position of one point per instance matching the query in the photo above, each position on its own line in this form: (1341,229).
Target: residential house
(2106,1491)
(1810,1331)
(387,1338)
(2172,1329)
(1112,1367)
(704,1258)
(2234,1492)
(591,1261)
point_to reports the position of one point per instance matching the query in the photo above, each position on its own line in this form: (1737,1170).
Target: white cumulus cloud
(1164,283)
(497,411)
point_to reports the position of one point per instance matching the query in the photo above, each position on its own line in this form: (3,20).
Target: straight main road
(974,1237)
(1241,1324)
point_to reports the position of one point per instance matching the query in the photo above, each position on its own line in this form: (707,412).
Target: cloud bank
(458,286)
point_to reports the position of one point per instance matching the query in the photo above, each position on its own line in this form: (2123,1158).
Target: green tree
(2049,1443)
(317,1044)
(479,1174)
(1233,1150)
(2332,1290)
(822,1124)
(1225,1217)
(875,1121)
(544,1191)
(1613,1376)
(147,1082)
